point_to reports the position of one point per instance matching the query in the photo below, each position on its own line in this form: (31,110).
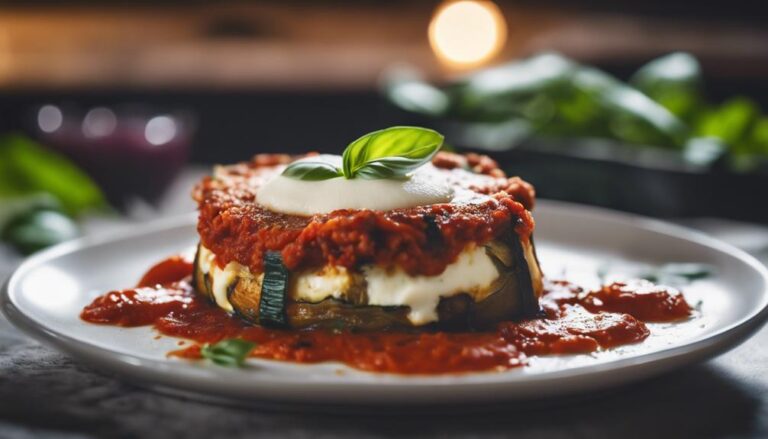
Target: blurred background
(110,110)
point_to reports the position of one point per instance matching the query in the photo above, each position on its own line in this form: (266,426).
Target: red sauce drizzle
(574,321)
(168,271)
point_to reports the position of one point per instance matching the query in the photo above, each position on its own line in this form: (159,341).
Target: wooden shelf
(237,46)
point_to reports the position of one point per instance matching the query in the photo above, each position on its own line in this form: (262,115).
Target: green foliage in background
(40,192)
(28,168)
(662,105)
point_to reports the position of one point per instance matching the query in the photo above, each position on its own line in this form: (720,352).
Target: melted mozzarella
(472,273)
(315,287)
(298,197)
(221,278)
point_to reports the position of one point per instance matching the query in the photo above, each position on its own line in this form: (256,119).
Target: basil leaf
(312,170)
(391,152)
(630,115)
(388,153)
(230,353)
(13,207)
(38,229)
(410,93)
(31,168)
(675,82)
(386,168)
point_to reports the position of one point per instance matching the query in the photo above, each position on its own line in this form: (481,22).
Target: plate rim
(158,373)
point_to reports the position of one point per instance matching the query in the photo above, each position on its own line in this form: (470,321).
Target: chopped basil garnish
(230,352)
(678,273)
(384,154)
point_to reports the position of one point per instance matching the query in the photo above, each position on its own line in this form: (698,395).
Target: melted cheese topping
(424,186)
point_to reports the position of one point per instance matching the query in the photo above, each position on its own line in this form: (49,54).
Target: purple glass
(130,152)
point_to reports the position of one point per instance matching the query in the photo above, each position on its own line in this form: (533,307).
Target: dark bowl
(645,180)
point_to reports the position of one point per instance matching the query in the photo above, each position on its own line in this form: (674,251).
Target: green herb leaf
(38,229)
(674,81)
(27,168)
(11,207)
(230,353)
(675,68)
(410,93)
(732,122)
(688,270)
(312,170)
(678,273)
(631,115)
(390,153)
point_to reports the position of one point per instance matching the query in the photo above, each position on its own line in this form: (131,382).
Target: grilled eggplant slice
(518,287)
(334,314)
(513,295)
(245,296)
(201,279)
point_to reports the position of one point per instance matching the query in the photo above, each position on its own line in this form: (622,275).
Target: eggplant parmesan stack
(468,262)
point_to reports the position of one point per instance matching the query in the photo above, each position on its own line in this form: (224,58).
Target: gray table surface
(46,394)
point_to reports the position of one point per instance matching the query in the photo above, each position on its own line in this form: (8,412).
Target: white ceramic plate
(45,295)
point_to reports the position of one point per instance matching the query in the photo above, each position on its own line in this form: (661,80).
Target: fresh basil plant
(385,154)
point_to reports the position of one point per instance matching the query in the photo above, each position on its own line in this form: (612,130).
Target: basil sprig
(231,352)
(385,154)
(312,170)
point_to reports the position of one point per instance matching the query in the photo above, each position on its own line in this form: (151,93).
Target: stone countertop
(46,394)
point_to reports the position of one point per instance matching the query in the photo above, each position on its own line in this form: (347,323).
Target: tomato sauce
(421,240)
(642,299)
(573,321)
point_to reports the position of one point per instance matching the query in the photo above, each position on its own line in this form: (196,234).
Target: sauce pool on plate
(572,321)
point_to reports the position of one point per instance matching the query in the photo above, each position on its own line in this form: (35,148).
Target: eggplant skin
(201,280)
(337,315)
(244,292)
(519,285)
(514,294)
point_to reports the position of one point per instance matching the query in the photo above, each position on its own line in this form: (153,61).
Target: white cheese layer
(315,287)
(472,273)
(424,186)
(221,278)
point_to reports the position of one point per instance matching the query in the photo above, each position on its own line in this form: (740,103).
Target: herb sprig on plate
(390,153)
(231,352)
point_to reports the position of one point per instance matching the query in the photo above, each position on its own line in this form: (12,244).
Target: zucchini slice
(274,290)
